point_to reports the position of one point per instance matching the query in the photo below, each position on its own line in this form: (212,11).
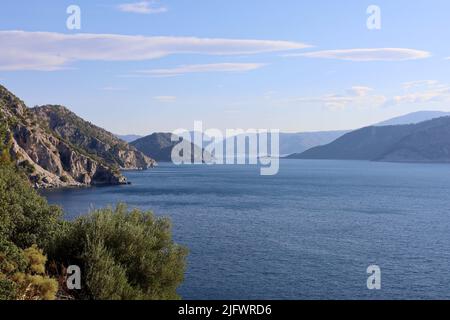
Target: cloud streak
(355,97)
(421,92)
(420,83)
(47,51)
(364,55)
(143,7)
(113,89)
(165,99)
(204,68)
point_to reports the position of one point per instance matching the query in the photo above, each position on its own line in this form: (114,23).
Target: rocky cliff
(60,155)
(92,139)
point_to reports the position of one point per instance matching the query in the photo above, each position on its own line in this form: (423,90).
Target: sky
(137,67)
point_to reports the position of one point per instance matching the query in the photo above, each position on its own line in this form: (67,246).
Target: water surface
(308,233)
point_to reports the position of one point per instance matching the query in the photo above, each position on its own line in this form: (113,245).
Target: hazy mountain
(159,146)
(292,143)
(298,142)
(129,137)
(413,118)
(427,141)
(48,159)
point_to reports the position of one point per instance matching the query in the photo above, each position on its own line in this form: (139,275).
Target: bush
(26,167)
(123,255)
(25,220)
(4,143)
(22,274)
(25,217)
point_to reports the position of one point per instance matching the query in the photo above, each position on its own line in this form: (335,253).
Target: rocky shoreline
(55,148)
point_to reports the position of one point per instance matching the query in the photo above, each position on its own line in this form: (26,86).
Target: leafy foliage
(22,274)
(25,220)
(124,255)
(4,143)
(25,217)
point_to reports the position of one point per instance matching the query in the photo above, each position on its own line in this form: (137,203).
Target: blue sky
(146,66)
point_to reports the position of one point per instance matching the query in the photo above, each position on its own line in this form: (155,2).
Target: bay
(309,232)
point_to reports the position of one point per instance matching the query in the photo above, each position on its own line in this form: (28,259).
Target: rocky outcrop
(92,139)
(49,159)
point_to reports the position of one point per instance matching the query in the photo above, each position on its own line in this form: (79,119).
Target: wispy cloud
(355,97)
(359,91)
(419,83)
(46,51)
(422,92)
(361,55)
(113,89)
(142,7)
(165,99)
(203,68)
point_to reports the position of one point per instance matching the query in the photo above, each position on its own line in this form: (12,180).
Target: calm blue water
(308,233)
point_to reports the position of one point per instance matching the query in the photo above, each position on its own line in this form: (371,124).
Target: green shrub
(25,217)
(25,220)
(11,260)
(123,255)
(27,167)
(23,275)
(5,158)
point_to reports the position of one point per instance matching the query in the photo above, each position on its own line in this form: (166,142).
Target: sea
(313,231)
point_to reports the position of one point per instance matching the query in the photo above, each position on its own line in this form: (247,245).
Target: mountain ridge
(160,145)
(95,140)
(426,141)
(413,118)
(49,159)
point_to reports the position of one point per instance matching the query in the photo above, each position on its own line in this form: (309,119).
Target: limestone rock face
(56,153)
(94,140)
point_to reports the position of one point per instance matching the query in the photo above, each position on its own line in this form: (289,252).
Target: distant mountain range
(427,141)
(302,141)
(291,143)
